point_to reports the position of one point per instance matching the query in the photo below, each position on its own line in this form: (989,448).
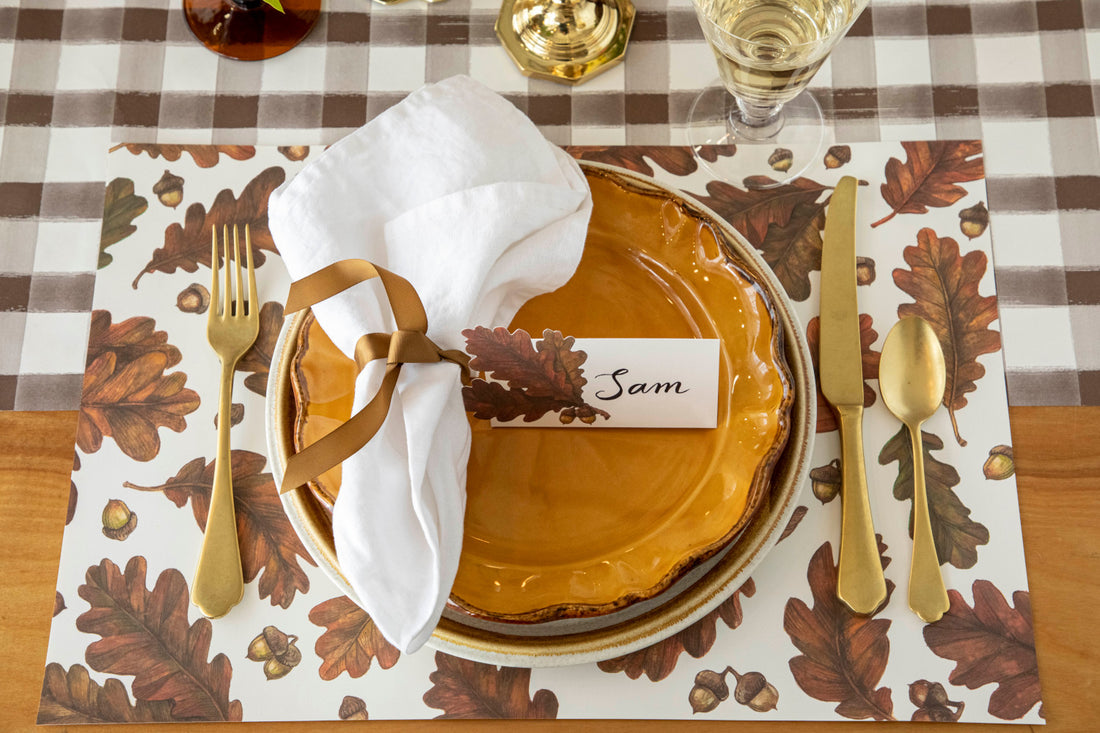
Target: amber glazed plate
(586,544)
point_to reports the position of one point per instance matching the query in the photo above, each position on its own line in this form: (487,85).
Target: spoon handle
(927,595)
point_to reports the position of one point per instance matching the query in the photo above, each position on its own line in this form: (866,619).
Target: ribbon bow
(409,344)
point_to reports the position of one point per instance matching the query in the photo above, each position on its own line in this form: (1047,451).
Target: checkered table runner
(1023,76)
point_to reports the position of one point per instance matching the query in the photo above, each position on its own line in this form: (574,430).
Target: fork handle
(219,581)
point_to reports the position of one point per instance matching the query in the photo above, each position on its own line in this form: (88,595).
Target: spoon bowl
(912,377)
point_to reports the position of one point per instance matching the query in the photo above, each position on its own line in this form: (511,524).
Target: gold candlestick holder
(565,40)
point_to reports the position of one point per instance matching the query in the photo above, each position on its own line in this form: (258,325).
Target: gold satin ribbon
(409,344)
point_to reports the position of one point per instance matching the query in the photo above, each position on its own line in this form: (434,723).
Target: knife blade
(860,582)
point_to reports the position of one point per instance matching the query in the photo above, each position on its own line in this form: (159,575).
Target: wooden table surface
(1058,472)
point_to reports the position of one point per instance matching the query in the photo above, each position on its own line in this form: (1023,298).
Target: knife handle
(860,583)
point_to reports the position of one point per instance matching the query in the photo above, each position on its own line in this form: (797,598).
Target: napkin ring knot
(409,344)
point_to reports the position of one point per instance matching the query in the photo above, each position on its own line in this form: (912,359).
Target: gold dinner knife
(860,583)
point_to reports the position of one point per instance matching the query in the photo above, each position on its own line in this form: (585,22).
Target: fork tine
(252,297)
(214,295)
(227,302)
(237,269)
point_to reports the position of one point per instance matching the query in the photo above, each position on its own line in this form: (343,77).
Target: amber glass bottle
(250,29)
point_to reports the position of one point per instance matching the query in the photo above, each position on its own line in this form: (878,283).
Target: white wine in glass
(767,52)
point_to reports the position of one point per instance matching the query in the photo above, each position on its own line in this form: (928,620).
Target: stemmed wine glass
(767,52)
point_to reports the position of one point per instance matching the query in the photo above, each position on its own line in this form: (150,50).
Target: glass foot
(749,157)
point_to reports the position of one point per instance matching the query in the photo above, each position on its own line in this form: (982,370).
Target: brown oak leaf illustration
(957,536)
(188,246)
(205,156)
(843,655)
(929,174)
(945,288)
(991,643)
(127,339)
(545,377)
(129,400)
(793,250)
(793,522)
(753,211)
(146,634)
(826,418)
(679,161)
(658,660)
(120,207)
(258,358)
(465,689)
(267,539)
(350,641)
(73,698)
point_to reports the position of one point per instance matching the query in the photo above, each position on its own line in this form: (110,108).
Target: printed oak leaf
(267,539)
(205,156)
(991,643)
(145,634)
(258,357)
(658,660)
(929,176)
(120,207)
(350,641)
(127,339)
(73,698)
(545,377)
(957,536)
(792,523)
(793,250)
(843,655)
(826,419)
(188,246)
(945,288)
(465,689)
(129,401)
(679,161)
(753,211)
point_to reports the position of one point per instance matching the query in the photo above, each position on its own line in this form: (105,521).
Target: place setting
(447,421)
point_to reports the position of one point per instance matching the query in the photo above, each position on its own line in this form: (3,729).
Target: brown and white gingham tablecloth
(1024,76)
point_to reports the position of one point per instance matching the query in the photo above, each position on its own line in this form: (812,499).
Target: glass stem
(755,121)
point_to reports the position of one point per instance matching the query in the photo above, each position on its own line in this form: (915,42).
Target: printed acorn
(865,270)
(294,152)
(1000,464)
(353,708)
(169,189)
(825,481)
(974,220)
(781,160)
(932,703)
(195,298)
(118,520)
(837,156)
(276,650)
(752,690)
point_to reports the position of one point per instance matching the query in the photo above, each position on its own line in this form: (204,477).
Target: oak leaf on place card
(120,207)
(542,377)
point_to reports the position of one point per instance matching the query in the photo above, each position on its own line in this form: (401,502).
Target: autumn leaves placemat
(126,645)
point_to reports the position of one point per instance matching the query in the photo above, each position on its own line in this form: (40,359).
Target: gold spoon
(911,378)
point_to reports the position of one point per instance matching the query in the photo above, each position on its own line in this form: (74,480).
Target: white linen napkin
(457,191)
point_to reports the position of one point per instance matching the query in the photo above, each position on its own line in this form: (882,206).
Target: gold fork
(219,581)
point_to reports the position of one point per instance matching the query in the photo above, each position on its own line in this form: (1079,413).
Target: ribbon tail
(344,441)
